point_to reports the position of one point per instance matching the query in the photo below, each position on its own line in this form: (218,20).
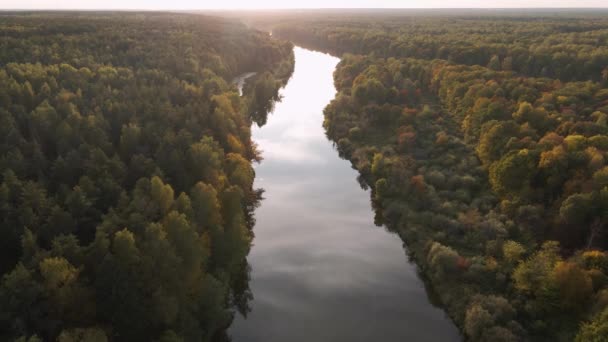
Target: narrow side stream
(320,269)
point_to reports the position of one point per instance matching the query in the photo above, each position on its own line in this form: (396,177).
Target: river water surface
(320,269)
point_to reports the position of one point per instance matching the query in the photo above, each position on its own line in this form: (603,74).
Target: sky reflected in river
(321,269)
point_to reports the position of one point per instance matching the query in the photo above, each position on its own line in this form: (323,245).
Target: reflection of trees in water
(240,295)
(262,92)
(253,202)
(383,218)
(240,298)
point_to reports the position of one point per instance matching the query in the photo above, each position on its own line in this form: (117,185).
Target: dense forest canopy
(562,47)
(485,141)
(126,178)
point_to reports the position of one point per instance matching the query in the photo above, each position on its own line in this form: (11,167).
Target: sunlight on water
(321,269)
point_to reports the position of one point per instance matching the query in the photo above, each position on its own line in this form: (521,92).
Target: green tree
(511,176)
(494,63)
(513,251)
(206,207)
(595,330)
(536,274)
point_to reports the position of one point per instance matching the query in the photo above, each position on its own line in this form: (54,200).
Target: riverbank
(125,174)
(422,175)
(462,162)
(320,268)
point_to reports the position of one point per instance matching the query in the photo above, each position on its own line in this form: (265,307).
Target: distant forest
(126,179)
(485,141)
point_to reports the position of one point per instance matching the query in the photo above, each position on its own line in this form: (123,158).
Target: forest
(126,164)
(485,142)
(126,173)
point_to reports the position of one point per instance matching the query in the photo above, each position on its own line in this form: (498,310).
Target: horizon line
(298,9)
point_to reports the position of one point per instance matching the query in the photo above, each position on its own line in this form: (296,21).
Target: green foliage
(576,208)
(126,173)
(596,330)
(511,176)
(490,318)
(494,139)
(512,251)
(494,63)
(443,259)
(263,94)
(535,274)
(561,45)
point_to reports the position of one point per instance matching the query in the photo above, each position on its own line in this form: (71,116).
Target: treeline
(126,178)
(558,47)
(495,179)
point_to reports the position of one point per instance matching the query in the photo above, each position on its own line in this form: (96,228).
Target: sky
(271,4)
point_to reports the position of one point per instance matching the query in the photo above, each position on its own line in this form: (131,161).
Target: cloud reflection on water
(321,269)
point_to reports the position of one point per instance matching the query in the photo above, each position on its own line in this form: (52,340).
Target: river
(320,269)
